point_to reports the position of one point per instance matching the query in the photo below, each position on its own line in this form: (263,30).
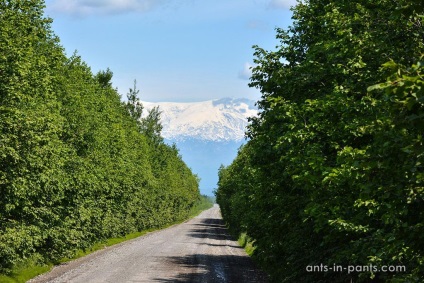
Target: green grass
(25,271)
(247,243)
(107,243)
(29,268)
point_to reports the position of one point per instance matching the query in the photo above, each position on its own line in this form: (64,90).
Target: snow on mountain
(214,120)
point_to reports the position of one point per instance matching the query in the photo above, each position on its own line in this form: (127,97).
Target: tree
(151,125)
(31,151)
(74,168)
(329,158)
(133,105)
(105,78)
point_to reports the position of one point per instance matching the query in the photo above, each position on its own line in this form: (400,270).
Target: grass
(247,243)
(25,271)
(30,268)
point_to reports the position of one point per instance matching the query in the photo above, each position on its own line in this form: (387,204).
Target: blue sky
(179,51)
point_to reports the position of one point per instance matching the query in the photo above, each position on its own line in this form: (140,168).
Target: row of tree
(332,173)
(77,165)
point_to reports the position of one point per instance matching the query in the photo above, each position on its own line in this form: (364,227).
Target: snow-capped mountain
(206,133)
(214,120)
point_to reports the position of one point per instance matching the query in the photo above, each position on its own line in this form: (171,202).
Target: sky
(176,50)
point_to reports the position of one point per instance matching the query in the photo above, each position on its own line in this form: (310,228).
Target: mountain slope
(214,120)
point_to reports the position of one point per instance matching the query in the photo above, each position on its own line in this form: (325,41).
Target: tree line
(332,172)
(77,165)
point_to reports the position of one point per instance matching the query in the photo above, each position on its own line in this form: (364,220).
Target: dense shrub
(75,167)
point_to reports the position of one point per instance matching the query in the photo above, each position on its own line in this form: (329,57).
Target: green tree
(335,179)
(31,170)
(105,78)
(74,167)
(151,125)
(133,105)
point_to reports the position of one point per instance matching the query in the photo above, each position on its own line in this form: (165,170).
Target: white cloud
(282,4)
(246,73)
(88,7)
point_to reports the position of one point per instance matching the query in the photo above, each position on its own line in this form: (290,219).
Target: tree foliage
(332,173)
(133,105)
(75,168)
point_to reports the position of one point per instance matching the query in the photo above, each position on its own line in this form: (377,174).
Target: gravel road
(198,250)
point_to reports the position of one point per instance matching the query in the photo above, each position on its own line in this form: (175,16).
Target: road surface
(198,250)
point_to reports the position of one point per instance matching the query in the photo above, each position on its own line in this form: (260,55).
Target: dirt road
(199,250)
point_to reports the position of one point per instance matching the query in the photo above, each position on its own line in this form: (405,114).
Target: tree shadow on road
(214,268)
(211,228)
